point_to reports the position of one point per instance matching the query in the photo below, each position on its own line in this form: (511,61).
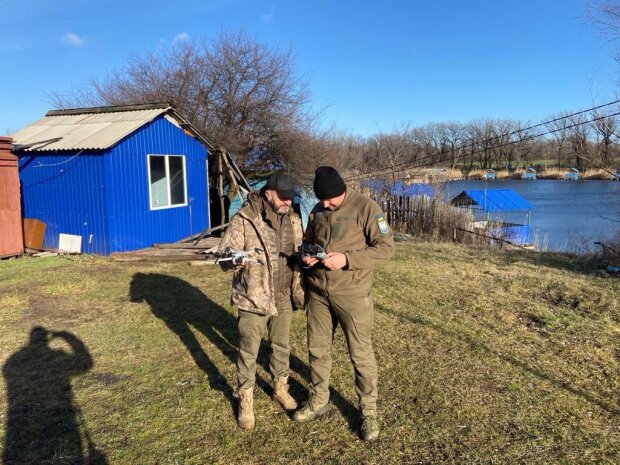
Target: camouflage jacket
(252,284)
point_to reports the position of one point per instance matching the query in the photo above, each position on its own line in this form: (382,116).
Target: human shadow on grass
(44,424)
(478,345)
(182,306)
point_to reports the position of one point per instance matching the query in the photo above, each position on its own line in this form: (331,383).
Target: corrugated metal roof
(83,131)
(492,200)
(412,190)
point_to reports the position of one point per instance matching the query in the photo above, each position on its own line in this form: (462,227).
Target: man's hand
(335,261)
(309,261)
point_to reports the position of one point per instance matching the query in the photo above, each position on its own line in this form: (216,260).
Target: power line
(415,164)
(581,123)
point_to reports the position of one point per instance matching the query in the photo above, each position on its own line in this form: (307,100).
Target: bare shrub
(430,218)
(610,249)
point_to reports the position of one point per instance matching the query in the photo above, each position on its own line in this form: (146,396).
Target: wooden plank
(201,263)
(233,180)
(242,179)
(162,258)
(179,246)
(201,234)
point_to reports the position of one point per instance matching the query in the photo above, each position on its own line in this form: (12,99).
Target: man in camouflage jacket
(266,287)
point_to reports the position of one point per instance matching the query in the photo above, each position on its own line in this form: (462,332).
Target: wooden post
(232,177)
(220,186)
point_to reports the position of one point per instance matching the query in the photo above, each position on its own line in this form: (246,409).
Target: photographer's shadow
(44,425)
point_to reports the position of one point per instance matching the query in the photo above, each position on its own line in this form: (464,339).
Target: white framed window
(167,181)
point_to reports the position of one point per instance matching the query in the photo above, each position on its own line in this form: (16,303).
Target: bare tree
(485,134)
(578,134)
(605,130)
(503,141)
(304,151)
(423,147)
(453,136)
(605,16)
(238,92)
(528,142)
(390,152)
(470,147)
(558,127)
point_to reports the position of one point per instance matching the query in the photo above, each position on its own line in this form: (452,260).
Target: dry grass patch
(485,356)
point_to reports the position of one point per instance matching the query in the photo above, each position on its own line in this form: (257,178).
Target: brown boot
(281,395)
(245,417)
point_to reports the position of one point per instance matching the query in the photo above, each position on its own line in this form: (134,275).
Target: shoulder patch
(383,224)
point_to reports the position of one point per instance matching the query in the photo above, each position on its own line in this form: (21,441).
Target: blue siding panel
(60,189)
(133,224)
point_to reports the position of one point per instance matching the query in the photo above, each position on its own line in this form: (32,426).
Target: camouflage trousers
(252,329)
(355,315)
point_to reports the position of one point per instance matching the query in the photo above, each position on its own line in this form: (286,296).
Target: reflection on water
(567,215)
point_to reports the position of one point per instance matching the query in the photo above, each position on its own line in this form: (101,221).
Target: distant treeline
(584,141)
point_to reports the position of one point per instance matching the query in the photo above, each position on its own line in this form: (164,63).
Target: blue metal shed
(412,190)
(398,188)
(375,186)
(499,211)
(121,178)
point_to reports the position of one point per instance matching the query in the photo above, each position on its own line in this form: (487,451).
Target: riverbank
(485,356)
(435,175)
(556,174)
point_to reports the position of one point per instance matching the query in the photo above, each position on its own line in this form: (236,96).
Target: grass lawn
(484,357)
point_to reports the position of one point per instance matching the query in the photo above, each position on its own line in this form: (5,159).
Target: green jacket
(359,229)
(252,284)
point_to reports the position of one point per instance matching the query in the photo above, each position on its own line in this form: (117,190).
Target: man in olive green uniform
(265,288)
(354,232)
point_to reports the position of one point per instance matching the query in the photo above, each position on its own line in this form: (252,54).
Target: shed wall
(65,190)
(132,223)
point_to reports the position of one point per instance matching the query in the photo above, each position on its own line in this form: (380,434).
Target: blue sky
(372,66)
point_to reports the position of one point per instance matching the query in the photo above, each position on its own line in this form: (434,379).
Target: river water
(567,215)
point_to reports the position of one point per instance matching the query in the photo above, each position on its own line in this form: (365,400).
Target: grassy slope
(484,356)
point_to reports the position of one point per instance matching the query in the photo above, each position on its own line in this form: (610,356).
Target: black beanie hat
(328,183)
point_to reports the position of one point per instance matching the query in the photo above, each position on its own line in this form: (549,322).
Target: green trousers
(252,328)
(355,315)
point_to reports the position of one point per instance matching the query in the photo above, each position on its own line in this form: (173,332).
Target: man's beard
(283,210)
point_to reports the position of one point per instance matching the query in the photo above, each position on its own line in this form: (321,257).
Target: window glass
(167,180)
(159,183)
(177,180)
